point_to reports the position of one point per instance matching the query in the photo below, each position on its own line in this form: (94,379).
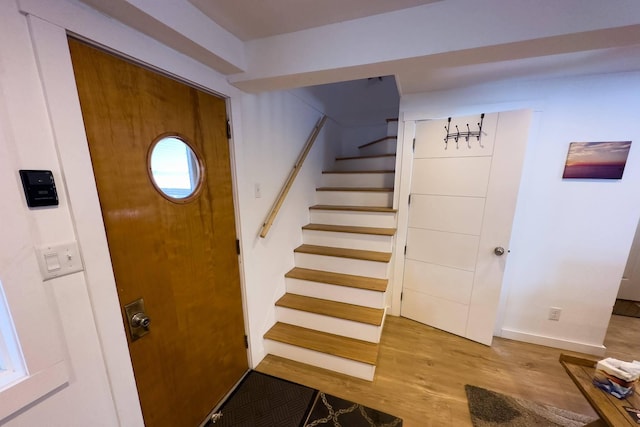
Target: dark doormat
(265,401)
(491,409)
(623,307)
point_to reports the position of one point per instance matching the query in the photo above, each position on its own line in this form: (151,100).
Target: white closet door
(463,198)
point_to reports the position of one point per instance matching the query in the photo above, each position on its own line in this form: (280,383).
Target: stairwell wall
(354,137)
(571,238)
(276,126)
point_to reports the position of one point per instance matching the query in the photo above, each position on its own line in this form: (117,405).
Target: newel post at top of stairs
(292,176)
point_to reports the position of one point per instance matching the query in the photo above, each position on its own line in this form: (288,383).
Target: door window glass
(175,168)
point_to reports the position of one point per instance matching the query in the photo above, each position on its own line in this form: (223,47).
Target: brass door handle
(140,320)
(137,318)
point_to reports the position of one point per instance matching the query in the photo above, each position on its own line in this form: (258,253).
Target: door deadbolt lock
(137,319)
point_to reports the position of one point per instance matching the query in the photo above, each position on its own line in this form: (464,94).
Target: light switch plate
(59,260)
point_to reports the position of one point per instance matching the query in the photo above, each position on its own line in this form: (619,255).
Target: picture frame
(596,160)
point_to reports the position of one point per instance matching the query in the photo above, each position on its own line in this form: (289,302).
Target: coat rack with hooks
(466,135)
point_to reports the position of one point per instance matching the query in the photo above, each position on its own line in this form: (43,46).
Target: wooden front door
(176,253)
(463,198)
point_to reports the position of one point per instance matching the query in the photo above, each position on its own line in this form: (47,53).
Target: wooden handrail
(292,176)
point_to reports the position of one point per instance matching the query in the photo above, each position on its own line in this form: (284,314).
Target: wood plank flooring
(340,310)
(358,172)
(373,156)
(353,208)
(377,231)
(377,141)
(339,279)
(359,189)
(344,253)
(349,348)
(422,371)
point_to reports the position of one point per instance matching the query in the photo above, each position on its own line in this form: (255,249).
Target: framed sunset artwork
(596,160)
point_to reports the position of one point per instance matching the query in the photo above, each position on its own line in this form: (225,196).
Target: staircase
(336,296)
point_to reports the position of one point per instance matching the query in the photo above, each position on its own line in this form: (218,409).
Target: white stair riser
(354,218)
(372,180)
(345,294)
(355,198)
(321,360)
(330,325)
(358,267)
(388,146)
(367,164)
(367,242)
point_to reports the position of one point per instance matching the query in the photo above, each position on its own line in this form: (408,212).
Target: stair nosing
(338,279)
(378,209)
(373,156)
(338,350)
(359,254)
(377,141)
(335,309)
(375,231)
(381,171)
(361,189)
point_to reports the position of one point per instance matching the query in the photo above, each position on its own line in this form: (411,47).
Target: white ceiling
(253,19)
(510,41)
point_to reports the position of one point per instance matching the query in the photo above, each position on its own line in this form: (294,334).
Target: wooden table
(609,408)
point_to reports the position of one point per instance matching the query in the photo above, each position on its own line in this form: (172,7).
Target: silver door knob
(499,251)
(140,320)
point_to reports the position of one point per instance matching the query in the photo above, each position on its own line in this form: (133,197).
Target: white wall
(25,133)
(40,112)
(570,238)
(275,128)
(355,136)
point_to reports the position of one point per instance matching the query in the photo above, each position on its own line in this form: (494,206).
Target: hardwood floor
(422,372)
(623,338)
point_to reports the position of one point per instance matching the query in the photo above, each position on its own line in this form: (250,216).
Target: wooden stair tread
(344,253)
(354,208)
(351,229)
(339,279)
(340,310)
(360,172)
(364,189)
(377,141)
(348,348)
(373,156)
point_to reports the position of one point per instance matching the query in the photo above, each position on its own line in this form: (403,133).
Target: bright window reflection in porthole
(175,169)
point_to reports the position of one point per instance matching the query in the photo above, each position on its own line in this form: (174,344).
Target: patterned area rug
(265,401)
(491,409)
(624,307)
(333,411)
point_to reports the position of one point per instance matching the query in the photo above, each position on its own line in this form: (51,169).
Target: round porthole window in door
(175,169)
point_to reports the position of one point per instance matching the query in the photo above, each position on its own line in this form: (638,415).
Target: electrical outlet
(554,313)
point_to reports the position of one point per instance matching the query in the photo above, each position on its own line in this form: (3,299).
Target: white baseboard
(596,350)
